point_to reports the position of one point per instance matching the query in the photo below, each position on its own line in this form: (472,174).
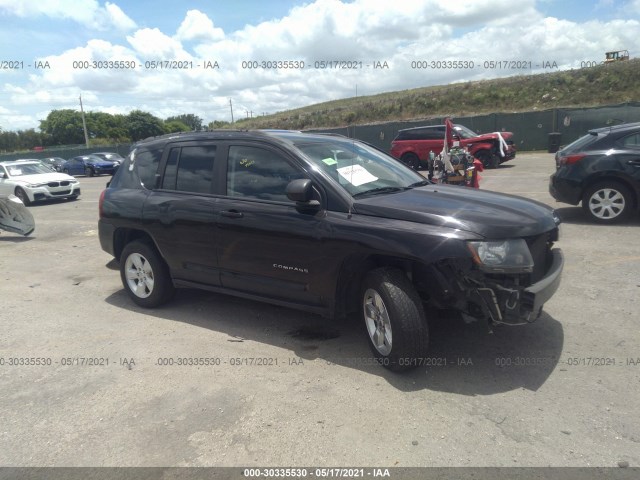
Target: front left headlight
(502,256)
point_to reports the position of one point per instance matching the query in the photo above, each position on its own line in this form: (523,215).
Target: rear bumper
(565,191)
(106,235)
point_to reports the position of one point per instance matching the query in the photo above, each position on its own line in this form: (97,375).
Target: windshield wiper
(421,183)
(375,191)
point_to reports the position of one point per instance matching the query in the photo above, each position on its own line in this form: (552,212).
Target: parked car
(328,225)
(54,162)
(413,145)
(110,156)
(601,170)
(31,181)
(89,165)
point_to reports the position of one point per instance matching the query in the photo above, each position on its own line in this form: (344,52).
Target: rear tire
(22,195)
(88,171)
(145,275)
(411,160)
(394,319)
(608,202)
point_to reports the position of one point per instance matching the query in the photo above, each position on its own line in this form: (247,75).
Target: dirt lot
(287,388)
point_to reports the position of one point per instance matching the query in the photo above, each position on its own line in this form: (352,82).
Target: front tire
(22,195)
(145,275)
(608,202)
(394,319)
(488,159)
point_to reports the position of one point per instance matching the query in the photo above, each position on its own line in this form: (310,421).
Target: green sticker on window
(329,161)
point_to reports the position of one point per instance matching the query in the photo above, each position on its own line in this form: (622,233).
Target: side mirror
(301,192)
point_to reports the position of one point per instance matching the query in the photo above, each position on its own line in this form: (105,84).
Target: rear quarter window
(146,164)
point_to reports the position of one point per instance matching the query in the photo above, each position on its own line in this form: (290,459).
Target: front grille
(65,183)
(53,184)
(63,192)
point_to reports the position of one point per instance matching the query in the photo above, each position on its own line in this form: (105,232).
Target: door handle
(232,214)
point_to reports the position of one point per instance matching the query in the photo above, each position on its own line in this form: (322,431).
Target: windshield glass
(27,169)
(358,168)
(464,132)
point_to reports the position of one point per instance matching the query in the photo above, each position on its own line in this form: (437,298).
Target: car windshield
(358,168)
(464,132)
(19,170)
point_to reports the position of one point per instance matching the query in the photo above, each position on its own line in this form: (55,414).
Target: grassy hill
(601,85)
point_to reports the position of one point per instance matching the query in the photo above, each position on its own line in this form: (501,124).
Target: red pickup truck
(413,145)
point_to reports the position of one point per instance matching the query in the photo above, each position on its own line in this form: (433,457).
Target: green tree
(63,127)
(141,125)
(27,139)
(192,121)
(218,124)
(106,126)
(174,126)
(8,141)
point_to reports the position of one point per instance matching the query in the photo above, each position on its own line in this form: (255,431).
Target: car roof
(421,128)
(280,136)
(616,128)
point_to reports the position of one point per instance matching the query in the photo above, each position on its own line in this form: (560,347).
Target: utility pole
(231,107)
(84,124)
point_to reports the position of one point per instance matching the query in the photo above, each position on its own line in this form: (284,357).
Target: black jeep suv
(329,225)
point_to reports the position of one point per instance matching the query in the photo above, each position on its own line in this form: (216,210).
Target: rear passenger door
(180,212)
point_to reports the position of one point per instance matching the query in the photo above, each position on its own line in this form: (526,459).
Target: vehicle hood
(43,178)
(490,214)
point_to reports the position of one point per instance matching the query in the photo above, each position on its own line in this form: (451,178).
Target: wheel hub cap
(377,322)
(139,275)
(606,203)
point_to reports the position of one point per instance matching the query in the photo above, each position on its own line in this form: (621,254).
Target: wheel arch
(124,236)
(426,279)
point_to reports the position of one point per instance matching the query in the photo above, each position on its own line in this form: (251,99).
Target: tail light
(571,159)
(100,202)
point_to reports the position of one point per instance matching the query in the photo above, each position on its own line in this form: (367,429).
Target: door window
(259,173)
(190,169)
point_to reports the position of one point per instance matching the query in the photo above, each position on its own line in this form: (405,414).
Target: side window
(190,169)
(258,173)
(632,141)
(146,163)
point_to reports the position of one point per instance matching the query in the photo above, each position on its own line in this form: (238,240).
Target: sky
(262,57)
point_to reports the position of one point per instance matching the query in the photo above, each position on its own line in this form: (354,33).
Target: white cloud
(88,12)
(325,30)
(114,15)
(151,42)
(198,26)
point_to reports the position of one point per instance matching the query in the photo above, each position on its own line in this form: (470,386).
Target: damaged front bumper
(504,303)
